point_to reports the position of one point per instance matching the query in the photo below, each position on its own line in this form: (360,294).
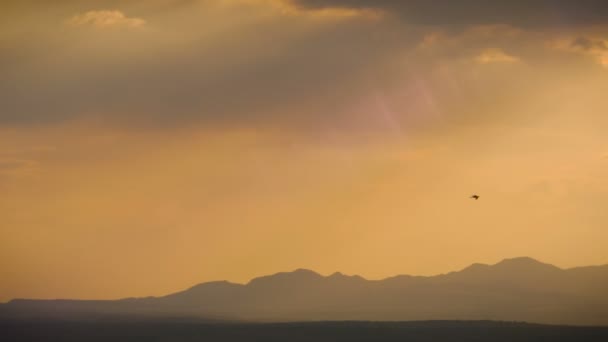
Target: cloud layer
(106,19)
(534,14)
(252,62)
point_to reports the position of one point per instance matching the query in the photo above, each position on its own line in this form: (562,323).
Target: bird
(475,197)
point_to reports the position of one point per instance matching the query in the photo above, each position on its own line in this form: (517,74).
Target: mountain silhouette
(519,289)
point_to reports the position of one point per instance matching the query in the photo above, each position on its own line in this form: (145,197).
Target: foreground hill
(520,289)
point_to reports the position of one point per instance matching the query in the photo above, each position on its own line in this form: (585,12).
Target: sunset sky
(146,146)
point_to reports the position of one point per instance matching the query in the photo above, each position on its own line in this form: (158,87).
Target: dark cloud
(192,62)
(588,44)
(247,76)
(523,13)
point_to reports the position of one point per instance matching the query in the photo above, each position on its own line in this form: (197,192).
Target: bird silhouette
(475,197)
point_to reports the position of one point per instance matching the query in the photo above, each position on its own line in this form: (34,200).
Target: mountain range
(518,289)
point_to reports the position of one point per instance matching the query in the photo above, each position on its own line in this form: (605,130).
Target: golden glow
(495,56)
(289,8)
(232,139)
(105,19)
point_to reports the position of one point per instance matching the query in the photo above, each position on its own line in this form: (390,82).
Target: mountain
(519,289)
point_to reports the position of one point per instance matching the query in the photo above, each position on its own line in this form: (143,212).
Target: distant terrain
(434,331)
(519,289)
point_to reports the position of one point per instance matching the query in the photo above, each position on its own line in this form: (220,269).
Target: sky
(147,146)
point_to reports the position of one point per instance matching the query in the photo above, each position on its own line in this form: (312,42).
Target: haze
(146,146)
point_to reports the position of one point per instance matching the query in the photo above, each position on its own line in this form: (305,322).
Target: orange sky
(149,146)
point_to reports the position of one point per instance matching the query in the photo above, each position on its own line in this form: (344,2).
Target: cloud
(588,44)
(341,13)
(474,34)
(287,7)
(17,167)
(268,63)
(478,43)
(595,47)
(495,55)
(211,62)
(553,13)
(106,19)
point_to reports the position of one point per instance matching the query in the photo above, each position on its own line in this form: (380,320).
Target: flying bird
(475,197)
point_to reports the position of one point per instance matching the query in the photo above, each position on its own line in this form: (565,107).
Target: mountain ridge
(519,289)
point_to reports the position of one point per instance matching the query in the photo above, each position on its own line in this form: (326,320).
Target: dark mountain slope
(520,289)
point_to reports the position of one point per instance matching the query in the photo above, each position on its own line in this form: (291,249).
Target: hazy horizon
(146,146)
(512,290)
(326,274)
